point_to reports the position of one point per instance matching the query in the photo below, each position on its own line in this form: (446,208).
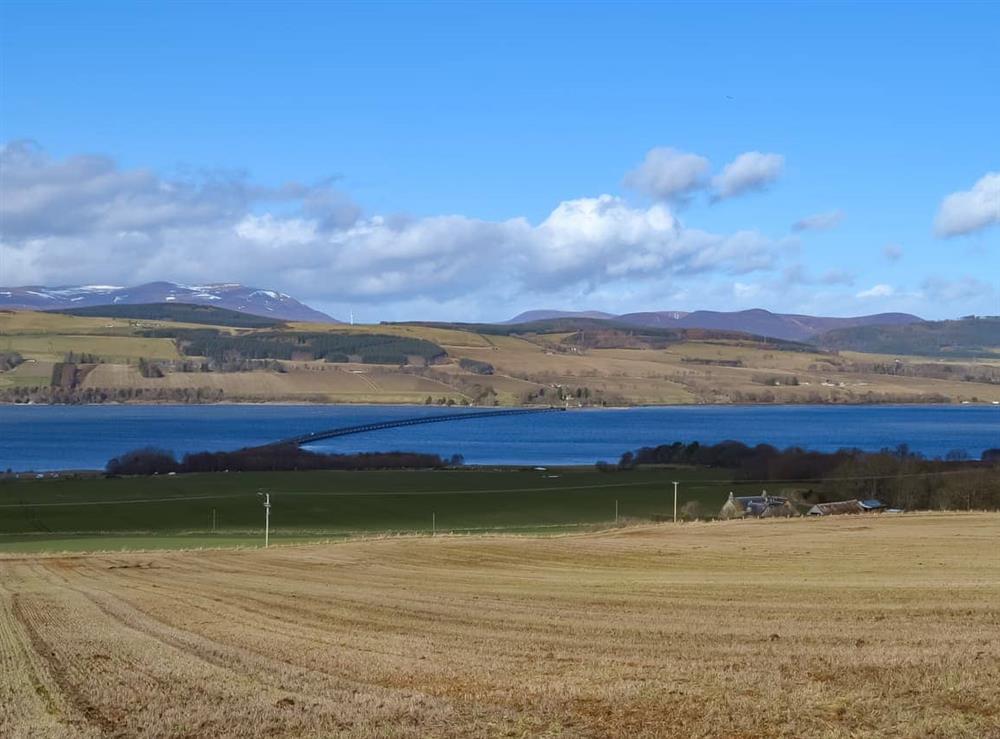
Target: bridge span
(379,426)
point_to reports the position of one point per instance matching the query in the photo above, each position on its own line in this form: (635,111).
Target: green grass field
(178,511)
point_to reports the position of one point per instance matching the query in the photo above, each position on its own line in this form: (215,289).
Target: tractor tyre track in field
(302,674)
(39,702)
(60,670)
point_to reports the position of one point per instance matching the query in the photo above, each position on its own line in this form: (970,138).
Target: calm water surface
(85,437)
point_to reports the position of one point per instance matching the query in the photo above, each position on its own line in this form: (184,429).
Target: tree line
(300,345)
(898,476)
(56,395)
(281,458)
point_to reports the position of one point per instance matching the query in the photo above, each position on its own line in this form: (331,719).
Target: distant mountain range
(273,304)
(789,326)
(232,296)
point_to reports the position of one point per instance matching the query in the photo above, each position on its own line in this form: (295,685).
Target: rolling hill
(759,322)
(967,337)
(232,296)
(177,312)
(52,357)
(764,323)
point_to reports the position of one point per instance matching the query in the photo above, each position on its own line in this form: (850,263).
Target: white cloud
(86,220)
(819,221)
(877,291)
(750,171)
(745,291)
(970,210)
(41,197)
(266,229)
(668,174)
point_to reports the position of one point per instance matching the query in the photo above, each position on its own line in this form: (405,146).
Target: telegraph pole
(267,516)
(675,501)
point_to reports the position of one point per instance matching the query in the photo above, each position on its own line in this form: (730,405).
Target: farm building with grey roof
(757,506)
(841,507)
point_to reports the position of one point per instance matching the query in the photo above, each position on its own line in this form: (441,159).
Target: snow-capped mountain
(252,300)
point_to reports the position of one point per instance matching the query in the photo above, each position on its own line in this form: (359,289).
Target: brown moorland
(842,627)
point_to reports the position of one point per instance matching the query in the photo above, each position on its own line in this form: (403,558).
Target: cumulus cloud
(892,252)
(668,174)
(819,221)
(970,210)
(40,197)
(84,219)
(877,291)
(750,171)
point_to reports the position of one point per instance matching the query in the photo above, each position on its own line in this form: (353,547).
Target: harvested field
(329,382)
(113,348)
(882,626)
(28,374)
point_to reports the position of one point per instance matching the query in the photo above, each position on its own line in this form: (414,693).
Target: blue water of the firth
(85,437)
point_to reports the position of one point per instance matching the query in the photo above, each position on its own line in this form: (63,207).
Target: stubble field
(874,626)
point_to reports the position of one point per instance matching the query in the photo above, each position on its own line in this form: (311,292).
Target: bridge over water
(378,426)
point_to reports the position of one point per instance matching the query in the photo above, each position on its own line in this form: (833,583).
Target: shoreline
(393,404)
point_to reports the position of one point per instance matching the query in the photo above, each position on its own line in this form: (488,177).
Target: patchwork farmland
(121,360)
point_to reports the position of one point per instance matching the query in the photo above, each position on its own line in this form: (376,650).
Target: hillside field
(554,366)
(168,512)
(842,627)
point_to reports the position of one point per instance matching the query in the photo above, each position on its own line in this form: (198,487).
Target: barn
(841,507)
(835,508)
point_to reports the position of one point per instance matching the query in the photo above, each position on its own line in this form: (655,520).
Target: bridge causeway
(379,426)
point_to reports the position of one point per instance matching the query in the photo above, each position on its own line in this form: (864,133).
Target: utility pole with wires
(675,500)
(267,515)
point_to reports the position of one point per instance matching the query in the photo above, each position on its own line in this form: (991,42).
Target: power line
(132,501)
(384,493)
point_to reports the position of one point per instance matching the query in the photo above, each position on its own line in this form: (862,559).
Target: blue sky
(447,160)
